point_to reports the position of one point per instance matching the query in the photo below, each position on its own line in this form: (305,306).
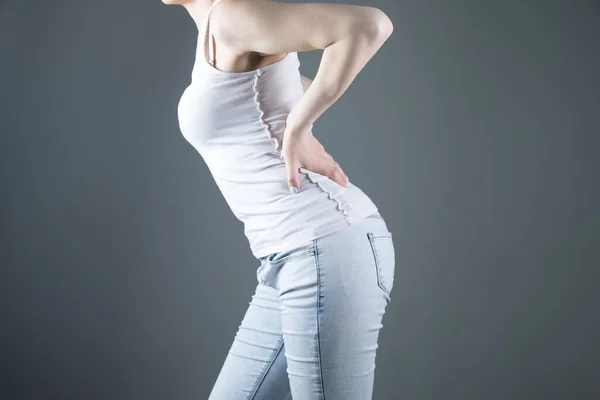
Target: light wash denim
(311,330)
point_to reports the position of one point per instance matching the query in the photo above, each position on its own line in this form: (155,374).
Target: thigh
(255,366)
(333,299)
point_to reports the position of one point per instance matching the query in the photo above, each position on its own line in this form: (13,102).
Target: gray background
(474,129)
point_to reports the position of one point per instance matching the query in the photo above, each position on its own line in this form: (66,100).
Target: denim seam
(261,377)
(291,256)
(318,306)
(380,278)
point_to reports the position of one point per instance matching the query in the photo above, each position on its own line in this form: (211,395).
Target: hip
(363,251)
(369,228)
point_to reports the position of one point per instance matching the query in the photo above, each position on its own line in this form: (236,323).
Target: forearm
(340,64)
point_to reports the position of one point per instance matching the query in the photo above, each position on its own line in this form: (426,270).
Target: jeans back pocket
(385,259)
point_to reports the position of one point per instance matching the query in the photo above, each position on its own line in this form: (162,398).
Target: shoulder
(271,27)
(229,17)
(235,11)
(247,25)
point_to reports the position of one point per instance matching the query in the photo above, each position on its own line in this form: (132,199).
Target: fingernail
(347,181)
(293,189)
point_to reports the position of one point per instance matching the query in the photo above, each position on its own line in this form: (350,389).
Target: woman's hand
(301,149)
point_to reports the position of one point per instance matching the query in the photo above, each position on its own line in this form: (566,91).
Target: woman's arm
(340,64)
(349,36)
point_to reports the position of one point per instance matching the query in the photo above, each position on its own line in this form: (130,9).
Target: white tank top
(236,120)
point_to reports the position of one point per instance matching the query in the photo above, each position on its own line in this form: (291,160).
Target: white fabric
(236,120)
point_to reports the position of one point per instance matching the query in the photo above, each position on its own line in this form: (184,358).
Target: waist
(274,218)
(258,195)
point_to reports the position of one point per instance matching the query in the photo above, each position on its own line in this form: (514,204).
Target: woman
(326,255)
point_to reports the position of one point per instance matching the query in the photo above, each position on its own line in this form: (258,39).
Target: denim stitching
(292,256)
(261,377)
(380,278)
(318,306)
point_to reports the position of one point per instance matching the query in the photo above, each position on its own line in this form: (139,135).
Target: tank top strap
(208,36)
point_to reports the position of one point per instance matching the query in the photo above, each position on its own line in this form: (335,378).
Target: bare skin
(250,34)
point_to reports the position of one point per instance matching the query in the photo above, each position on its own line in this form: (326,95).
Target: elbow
(378,25)
(385,26)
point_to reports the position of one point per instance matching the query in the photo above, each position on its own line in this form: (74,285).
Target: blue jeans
(311,330)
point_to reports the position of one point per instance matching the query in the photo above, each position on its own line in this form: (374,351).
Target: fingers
(333,170)
(292,176)
(320,162)
(325,164)
(336,174)
(329,167)
(328,156)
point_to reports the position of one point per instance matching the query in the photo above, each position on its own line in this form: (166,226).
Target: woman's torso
(236,120)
